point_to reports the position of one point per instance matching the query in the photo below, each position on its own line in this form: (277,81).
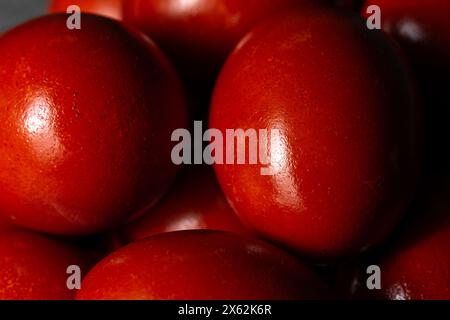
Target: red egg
(34,267)
(200,265)
(108,8)
(417,265)
(199,34)
(346,154)
(195,202)
(86,124)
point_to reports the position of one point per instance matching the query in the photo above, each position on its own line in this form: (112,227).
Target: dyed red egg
(344,160)
(34,267)
(416,266)
(200,265)
(199,34)
(86,124)
(108,8)
(195,202)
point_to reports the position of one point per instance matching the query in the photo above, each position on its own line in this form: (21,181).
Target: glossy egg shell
(86,124)
(195,202)
(347,152)
(108,8)
(34,267)
(415,265)
(199,34)
(419,271)
(206,265)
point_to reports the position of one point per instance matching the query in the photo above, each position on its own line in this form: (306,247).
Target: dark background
(14,12)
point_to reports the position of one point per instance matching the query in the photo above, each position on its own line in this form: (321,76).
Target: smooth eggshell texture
(86,124)
(416,265)
(199,34)
(108,8)
(347,153)
(34,267)
(200,265)
(194,203)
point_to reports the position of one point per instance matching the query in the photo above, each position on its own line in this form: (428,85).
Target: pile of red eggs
(87,179)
